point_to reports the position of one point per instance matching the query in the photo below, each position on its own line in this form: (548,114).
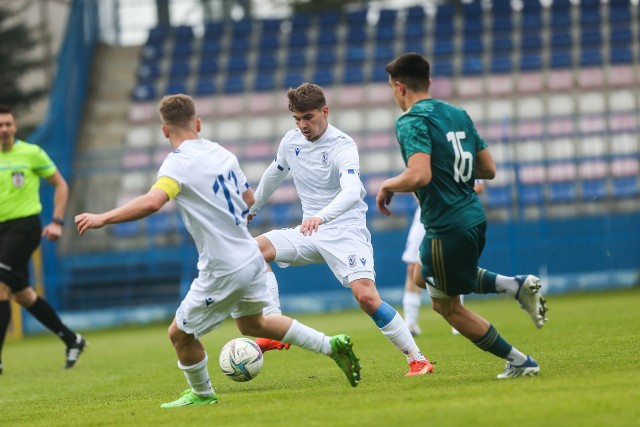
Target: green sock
(486,282)
(494,343)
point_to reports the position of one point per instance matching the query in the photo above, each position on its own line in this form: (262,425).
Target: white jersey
(211,205)
(316,168)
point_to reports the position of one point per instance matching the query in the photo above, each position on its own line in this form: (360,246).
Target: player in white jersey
(412,297)
(325,166)
(213,197)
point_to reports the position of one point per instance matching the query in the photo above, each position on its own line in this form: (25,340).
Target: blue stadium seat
(473,29)
(323,77)
(353,75)
(271,26)
(619,15)
(531,42)
(415,14)
(234,84)
(293,79)
(472,46)
(531,21)
(589,16)
(621,55)
(498,197)
(530,62)
(562,192)
(383,54)
(237,65)
(501,45)
(213,30)
(264,82)
(175,86)
(269,43)
(591,38)
(560,60)
(126,229)
(501,64)
(157,35)
(379,74)
(625,187)
(444,30)
(329,18)
(267,63)
(414,32)
(298,40)
(385,33)
(531,194)
(560,20)
(357,18)
(354,55)
(415,46)
(242,28)
(210,47)
(442,68)
(590,58)
(179,70)
(183,34)
(300,21)
(594,189)
(325,57)
(208,67)
(443,48)
(144,92)
(387,16)
(181,51)
(356,36)
(472,66)
(560,38)
(148,72)
(327,36)
(160,223)
(205,87)
(620,37)
(296,59)
(239,45)
(150,53)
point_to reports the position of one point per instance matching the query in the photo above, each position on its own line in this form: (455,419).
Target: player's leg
(411,301)
(251,321)
(524,288)
(451,266)
(5,316)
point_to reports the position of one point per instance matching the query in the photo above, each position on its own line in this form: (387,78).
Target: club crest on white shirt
(325,158)
(352,261)
(297,151)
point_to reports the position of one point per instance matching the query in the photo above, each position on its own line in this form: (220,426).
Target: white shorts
(347,251)
(411,254)
(211,299)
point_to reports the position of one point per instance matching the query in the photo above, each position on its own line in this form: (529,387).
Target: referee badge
(18,179)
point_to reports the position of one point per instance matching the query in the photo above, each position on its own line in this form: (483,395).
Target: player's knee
(26,297)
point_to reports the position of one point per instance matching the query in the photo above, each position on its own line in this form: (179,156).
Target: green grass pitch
(588,352)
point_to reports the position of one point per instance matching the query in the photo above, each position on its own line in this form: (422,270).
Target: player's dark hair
(177,110)
(5,110)
(412,69)
(306,97)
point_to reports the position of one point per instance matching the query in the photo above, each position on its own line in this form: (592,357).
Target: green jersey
(448,204)
(20,171)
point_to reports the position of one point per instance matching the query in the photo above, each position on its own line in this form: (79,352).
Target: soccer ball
(241,359)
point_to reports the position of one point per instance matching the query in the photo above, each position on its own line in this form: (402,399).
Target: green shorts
(450,264)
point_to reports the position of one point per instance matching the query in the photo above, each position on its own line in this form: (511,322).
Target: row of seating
(244,55)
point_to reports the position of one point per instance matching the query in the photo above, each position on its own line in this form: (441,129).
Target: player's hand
(52,231)
(383,199)
(250,217)
(310,225)
(86,221)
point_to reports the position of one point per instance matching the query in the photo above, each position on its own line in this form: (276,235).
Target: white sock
(198,377)
(516,357)
(308,338)
(398,333)
(506,284)
(272,285)
(411,306)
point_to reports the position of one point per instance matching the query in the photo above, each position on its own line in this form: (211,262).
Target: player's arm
(270,181)
(415,176)
(485,166)
(53,230)
(142,206)
(249,197)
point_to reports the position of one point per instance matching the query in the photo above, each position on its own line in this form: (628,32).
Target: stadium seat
(385,33)
(296,60)
(562,192)
(269,43)
(590,58)
(181,51)
(325,58)
(625,187)
(501,45)
(266,63)
(442,68)
(293,79)
(147,72)
(621,55)
(207,68)
(210,48)
(327,37)
(472,46)
(353,75)
(125,229)
(530,62)
(354,55)
(498,197)
(531,43)
(298,40)
(264,82)
(501,65)
(415,14)
(532,194)
(234,84)
(356,36)
(144,92)
(179,70)
(595,189)
(560,59)
(205,87)
(323,77)
(237,65)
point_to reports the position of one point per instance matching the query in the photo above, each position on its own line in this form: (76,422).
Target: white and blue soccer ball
(241,359)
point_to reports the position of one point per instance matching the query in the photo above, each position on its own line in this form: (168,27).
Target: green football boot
(188,398)
(342,353)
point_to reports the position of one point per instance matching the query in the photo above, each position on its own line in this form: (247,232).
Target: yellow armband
(168,185)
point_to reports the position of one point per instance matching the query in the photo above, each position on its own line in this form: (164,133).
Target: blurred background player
(412,297)
(444,154)
(325,166)
(22,165)
(213,196)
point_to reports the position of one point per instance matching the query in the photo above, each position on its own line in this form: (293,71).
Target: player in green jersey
(22,165)
(444,155)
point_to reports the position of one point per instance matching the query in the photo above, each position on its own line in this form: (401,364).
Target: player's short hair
(177,110)
(306,97)
(5,110)
(412,69)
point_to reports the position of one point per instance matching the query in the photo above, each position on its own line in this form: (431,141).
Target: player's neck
(413,97)
(178,138)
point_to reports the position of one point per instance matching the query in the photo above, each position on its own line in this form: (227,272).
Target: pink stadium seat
(379,93)
(261,102)
(592,169)
(530,82)
(532,174)
(136,159)
(141,112)
(591,78)
(160,154)
(499,84)
(533,128)
(561,126)
(442,88)
(230,105)
(259,150)
(558,80)
(626,121)
(621,76)
(470,87)
(352,95)
(204,106)
(625,167)
(379,140)
(565,171)
(284,194)
(592,123)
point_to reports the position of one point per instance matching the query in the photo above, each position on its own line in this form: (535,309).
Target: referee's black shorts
(18,239)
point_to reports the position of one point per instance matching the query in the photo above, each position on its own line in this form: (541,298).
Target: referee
(21,167)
